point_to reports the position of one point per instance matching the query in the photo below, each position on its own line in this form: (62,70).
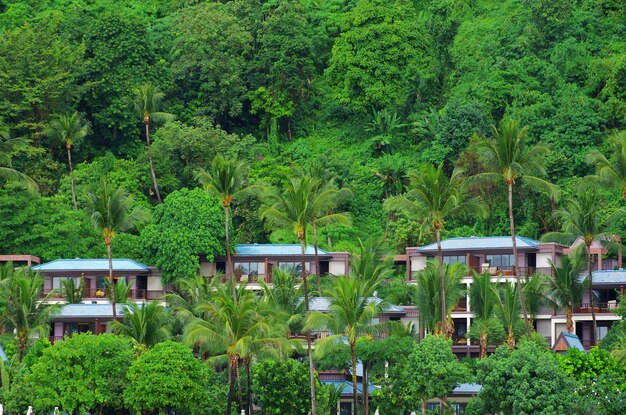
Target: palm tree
(232,332)
(146,103)
(611,170)
(507,158)
(566,289)
(534,291)
(436,198)
(26,310)
(69,130)
(73,294)
(349,317)
(7,146)
(147,324)
(483,300)
(112,211)
(285,295)
(508,310)
(225,179)
(583,218)
(297,208)
(428,298)
(393,179)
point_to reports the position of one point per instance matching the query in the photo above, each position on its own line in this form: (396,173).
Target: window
(432,407)
(458,408)
(250,268)
(293,267)
(451,259)
(57,283)
(501,261)
(345,408)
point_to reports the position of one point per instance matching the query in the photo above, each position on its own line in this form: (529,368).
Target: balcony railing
(461,305)
(608,307)
(506,271)
(99,293)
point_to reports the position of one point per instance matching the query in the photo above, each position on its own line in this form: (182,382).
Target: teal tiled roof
(276,250)
(481,243)
(92,264)
(608,277)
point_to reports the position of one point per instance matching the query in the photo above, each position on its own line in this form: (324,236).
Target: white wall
(543,260)
(154,284)
(207,268)
(337,267)
(418,263)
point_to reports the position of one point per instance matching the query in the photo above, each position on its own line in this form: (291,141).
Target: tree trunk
(154,179)
(510,339)
(111,283)
(442,284)
(308,337)
(516,270)
(483,343)
(229,259)
(317,262)
(249,387)
(355,399)
(69,160)
(289,137)
(231,389)
(568,318)
(366,403)
(424,406)
(22,338)
(387,226)
(594,334)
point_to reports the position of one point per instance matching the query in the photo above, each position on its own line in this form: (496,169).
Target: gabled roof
(467,388)
(88,311)
(567,341)
(478,243)
(608,277)
(91,264)
(323,304)
(276,250)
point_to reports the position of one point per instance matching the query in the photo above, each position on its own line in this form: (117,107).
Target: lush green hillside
(286,84)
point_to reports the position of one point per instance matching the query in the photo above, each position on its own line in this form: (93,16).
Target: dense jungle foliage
(366,89)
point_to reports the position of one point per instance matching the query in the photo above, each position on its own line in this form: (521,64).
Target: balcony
(585,308)
(461,305)
(508,271)
(101,294)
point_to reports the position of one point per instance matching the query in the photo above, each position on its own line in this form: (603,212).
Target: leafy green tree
(508,158)
(611,170)
(350,316)
(82,373)
(147,324)
(225,179)
(508,310)
(297,208)
(385,126)
(433,371)
(375,59)
(7,146)
(505,388)
(186,225)
(583,218)
(69,130)
(436,198)
(393,178)
(565,289)
(211,45)
(21,294)
(40,68)
(146,103)
(157,379)
(234,332)
(484,300)
(282,387)
(112,210)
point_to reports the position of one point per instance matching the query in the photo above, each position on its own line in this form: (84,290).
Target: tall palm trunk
(229,259)
(308,337)
(231,387)
(146,121)
(366,402)
(69,160)
(442,284)
(355,399)
(22,339)
(248,387)
(111,283)
(568,319)
(483,342)
(594,334)
(516,269)
(510,338)
(317,262)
